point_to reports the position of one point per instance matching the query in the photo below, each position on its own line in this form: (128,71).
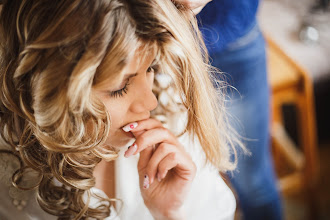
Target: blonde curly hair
(54,52)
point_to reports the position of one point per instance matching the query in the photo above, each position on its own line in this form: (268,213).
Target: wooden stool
(291,84)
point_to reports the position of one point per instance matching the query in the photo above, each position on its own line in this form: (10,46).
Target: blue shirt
(224,21)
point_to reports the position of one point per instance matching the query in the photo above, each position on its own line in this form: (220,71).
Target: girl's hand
(166,170)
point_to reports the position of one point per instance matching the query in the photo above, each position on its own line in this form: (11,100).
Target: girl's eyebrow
(130,75)
(127,77)
(123,80)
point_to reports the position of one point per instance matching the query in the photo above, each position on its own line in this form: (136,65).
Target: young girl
(86,82)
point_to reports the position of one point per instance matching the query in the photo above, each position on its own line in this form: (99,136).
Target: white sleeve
(128,189)
(210,198)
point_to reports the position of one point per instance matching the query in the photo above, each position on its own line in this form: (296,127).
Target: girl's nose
(145,100)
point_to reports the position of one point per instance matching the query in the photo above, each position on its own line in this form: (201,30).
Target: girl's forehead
(136,61)
(141,59)
(146,50)
(143,56)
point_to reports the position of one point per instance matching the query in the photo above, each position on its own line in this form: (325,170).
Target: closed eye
(123,90)
(120,92)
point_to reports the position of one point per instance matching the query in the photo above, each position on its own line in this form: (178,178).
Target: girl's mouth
(129,134)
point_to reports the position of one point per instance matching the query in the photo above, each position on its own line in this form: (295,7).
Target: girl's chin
(122,144)
(120,140)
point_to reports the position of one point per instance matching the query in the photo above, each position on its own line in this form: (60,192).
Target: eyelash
(119,93)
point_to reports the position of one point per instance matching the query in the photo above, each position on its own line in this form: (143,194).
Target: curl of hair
(48,112)
(183,56)
(52,55)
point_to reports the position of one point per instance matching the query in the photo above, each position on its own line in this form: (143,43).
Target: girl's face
(128,100)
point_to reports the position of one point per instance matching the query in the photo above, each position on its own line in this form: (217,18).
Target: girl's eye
(119,93)
(150,69)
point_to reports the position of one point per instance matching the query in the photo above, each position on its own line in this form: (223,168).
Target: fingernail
(146,182)
(131,150)
(158,177)
(130,127)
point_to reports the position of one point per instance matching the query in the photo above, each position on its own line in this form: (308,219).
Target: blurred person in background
(237,47)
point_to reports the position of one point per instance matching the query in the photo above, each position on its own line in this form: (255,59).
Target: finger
(138,133)
(197,10)
(147,124)
(154,137)
(139,127)
(159,154)
(192,4)
(165,165)
(144,159)
(184,167)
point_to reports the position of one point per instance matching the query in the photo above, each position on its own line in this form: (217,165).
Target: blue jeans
(244,63)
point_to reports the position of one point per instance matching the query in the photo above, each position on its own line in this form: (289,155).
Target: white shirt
(210,198)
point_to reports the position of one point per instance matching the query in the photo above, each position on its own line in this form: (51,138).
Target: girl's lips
(129,134)
(138,133)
